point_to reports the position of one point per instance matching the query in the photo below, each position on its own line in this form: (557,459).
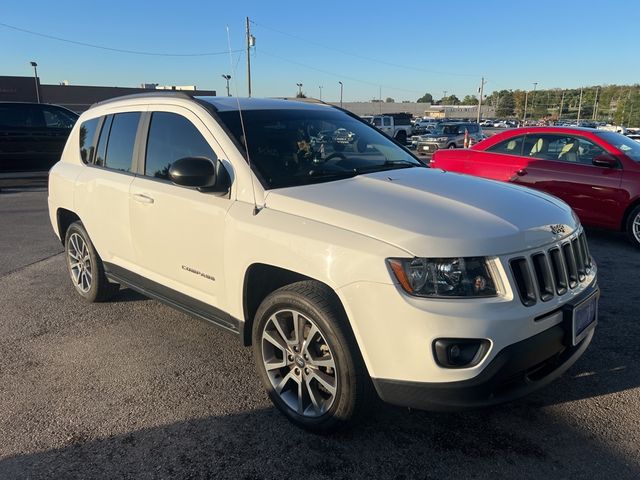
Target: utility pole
(579,106)
(251,41)
(481,91)
(526,98)
(380,99)
(341,85)
(533,98)
(320,87)
(561,105)
(595,104)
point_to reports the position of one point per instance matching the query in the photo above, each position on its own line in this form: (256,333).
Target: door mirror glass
(605,160)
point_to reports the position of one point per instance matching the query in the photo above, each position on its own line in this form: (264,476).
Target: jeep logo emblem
(556,229)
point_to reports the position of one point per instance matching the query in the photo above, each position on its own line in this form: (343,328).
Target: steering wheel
(335,157)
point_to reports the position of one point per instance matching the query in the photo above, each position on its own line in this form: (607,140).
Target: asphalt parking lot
(134,389)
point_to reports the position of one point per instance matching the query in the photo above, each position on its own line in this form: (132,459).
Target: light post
(299,90)
(533,97)
(227,78)
(341,85)
(35,77)
(320,87)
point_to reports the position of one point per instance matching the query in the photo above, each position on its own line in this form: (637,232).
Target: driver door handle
(140,198)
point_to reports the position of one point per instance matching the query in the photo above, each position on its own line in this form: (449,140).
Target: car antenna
(256,208)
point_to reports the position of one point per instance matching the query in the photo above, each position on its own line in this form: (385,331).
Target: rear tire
(451,146)
(401,137)
(85,266)
(308,359)
(633,226)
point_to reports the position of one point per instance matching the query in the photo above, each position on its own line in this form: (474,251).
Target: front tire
(451,146)
(307,358)
(633,226)
(401,137)
(85,266)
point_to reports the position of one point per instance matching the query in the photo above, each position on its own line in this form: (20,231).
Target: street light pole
(35,77)
(533,97)
(526,99)
(227,78)
(561,105)
(299,90)
(481,91)
(320,87)
(341,85)
(579,107)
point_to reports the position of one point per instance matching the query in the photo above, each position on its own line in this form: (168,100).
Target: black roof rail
(303,99)
(155,94)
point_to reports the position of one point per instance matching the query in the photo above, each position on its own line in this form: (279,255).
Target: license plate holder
(583,318)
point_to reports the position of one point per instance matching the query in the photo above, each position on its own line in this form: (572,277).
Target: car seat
(569,152)
(539,149)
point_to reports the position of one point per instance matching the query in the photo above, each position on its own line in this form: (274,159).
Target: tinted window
(87,134)
(102,142)
(20,115)
(387,121)
(172,137)
(58,118)
(511,146)
(377,121)
(122,139)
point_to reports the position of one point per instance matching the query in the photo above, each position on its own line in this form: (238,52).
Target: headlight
(444,277)
(442,139)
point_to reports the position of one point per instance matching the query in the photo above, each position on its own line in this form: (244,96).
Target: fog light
(459,352)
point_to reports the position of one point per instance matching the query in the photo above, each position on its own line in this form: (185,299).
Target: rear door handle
(139,197)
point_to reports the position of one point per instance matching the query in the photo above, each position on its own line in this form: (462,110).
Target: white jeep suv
(352,269)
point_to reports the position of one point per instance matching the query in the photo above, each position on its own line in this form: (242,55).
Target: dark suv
(448,135)
(32,136)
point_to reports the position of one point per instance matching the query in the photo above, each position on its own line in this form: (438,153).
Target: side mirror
(605,160)
(200,173)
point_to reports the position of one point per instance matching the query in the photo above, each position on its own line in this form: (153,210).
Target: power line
(119,50)
(338,75)
(363,57)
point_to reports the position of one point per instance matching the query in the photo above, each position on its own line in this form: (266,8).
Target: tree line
(617,104)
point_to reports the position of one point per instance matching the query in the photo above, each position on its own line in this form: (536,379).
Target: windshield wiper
(320,172)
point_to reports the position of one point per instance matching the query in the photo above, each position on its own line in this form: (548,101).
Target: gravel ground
(134,389)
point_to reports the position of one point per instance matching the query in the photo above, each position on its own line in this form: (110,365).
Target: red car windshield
(626,145)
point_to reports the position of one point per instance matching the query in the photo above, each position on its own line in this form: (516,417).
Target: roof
(224,104)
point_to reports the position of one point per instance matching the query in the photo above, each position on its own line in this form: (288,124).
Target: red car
(595,171)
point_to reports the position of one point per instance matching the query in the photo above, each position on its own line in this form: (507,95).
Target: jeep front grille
(543,274)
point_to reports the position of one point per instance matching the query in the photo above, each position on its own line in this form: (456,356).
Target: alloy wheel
(79,263)
(299,363)
(635,227)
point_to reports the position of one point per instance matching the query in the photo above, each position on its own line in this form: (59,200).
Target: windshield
(626,145)
(295,147)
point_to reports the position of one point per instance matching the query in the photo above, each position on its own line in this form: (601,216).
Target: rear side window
(87,145)
(172,137)
(20,115)
(511,146)
(120,140)
(58,118)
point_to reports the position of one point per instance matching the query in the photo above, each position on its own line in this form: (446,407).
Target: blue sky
(427,46)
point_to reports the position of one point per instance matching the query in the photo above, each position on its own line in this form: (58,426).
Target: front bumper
(515,371)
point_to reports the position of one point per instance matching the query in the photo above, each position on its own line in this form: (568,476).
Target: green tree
(389,100)
(469,100)
(426,98)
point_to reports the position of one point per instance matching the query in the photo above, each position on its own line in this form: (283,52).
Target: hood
(432,213)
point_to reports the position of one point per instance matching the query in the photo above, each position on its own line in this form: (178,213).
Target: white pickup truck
(396,126)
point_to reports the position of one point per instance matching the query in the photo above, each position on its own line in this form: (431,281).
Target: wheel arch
(625,217)
(260,280)
(64,220)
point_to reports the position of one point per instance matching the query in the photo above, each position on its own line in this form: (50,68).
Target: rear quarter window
(87,139)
